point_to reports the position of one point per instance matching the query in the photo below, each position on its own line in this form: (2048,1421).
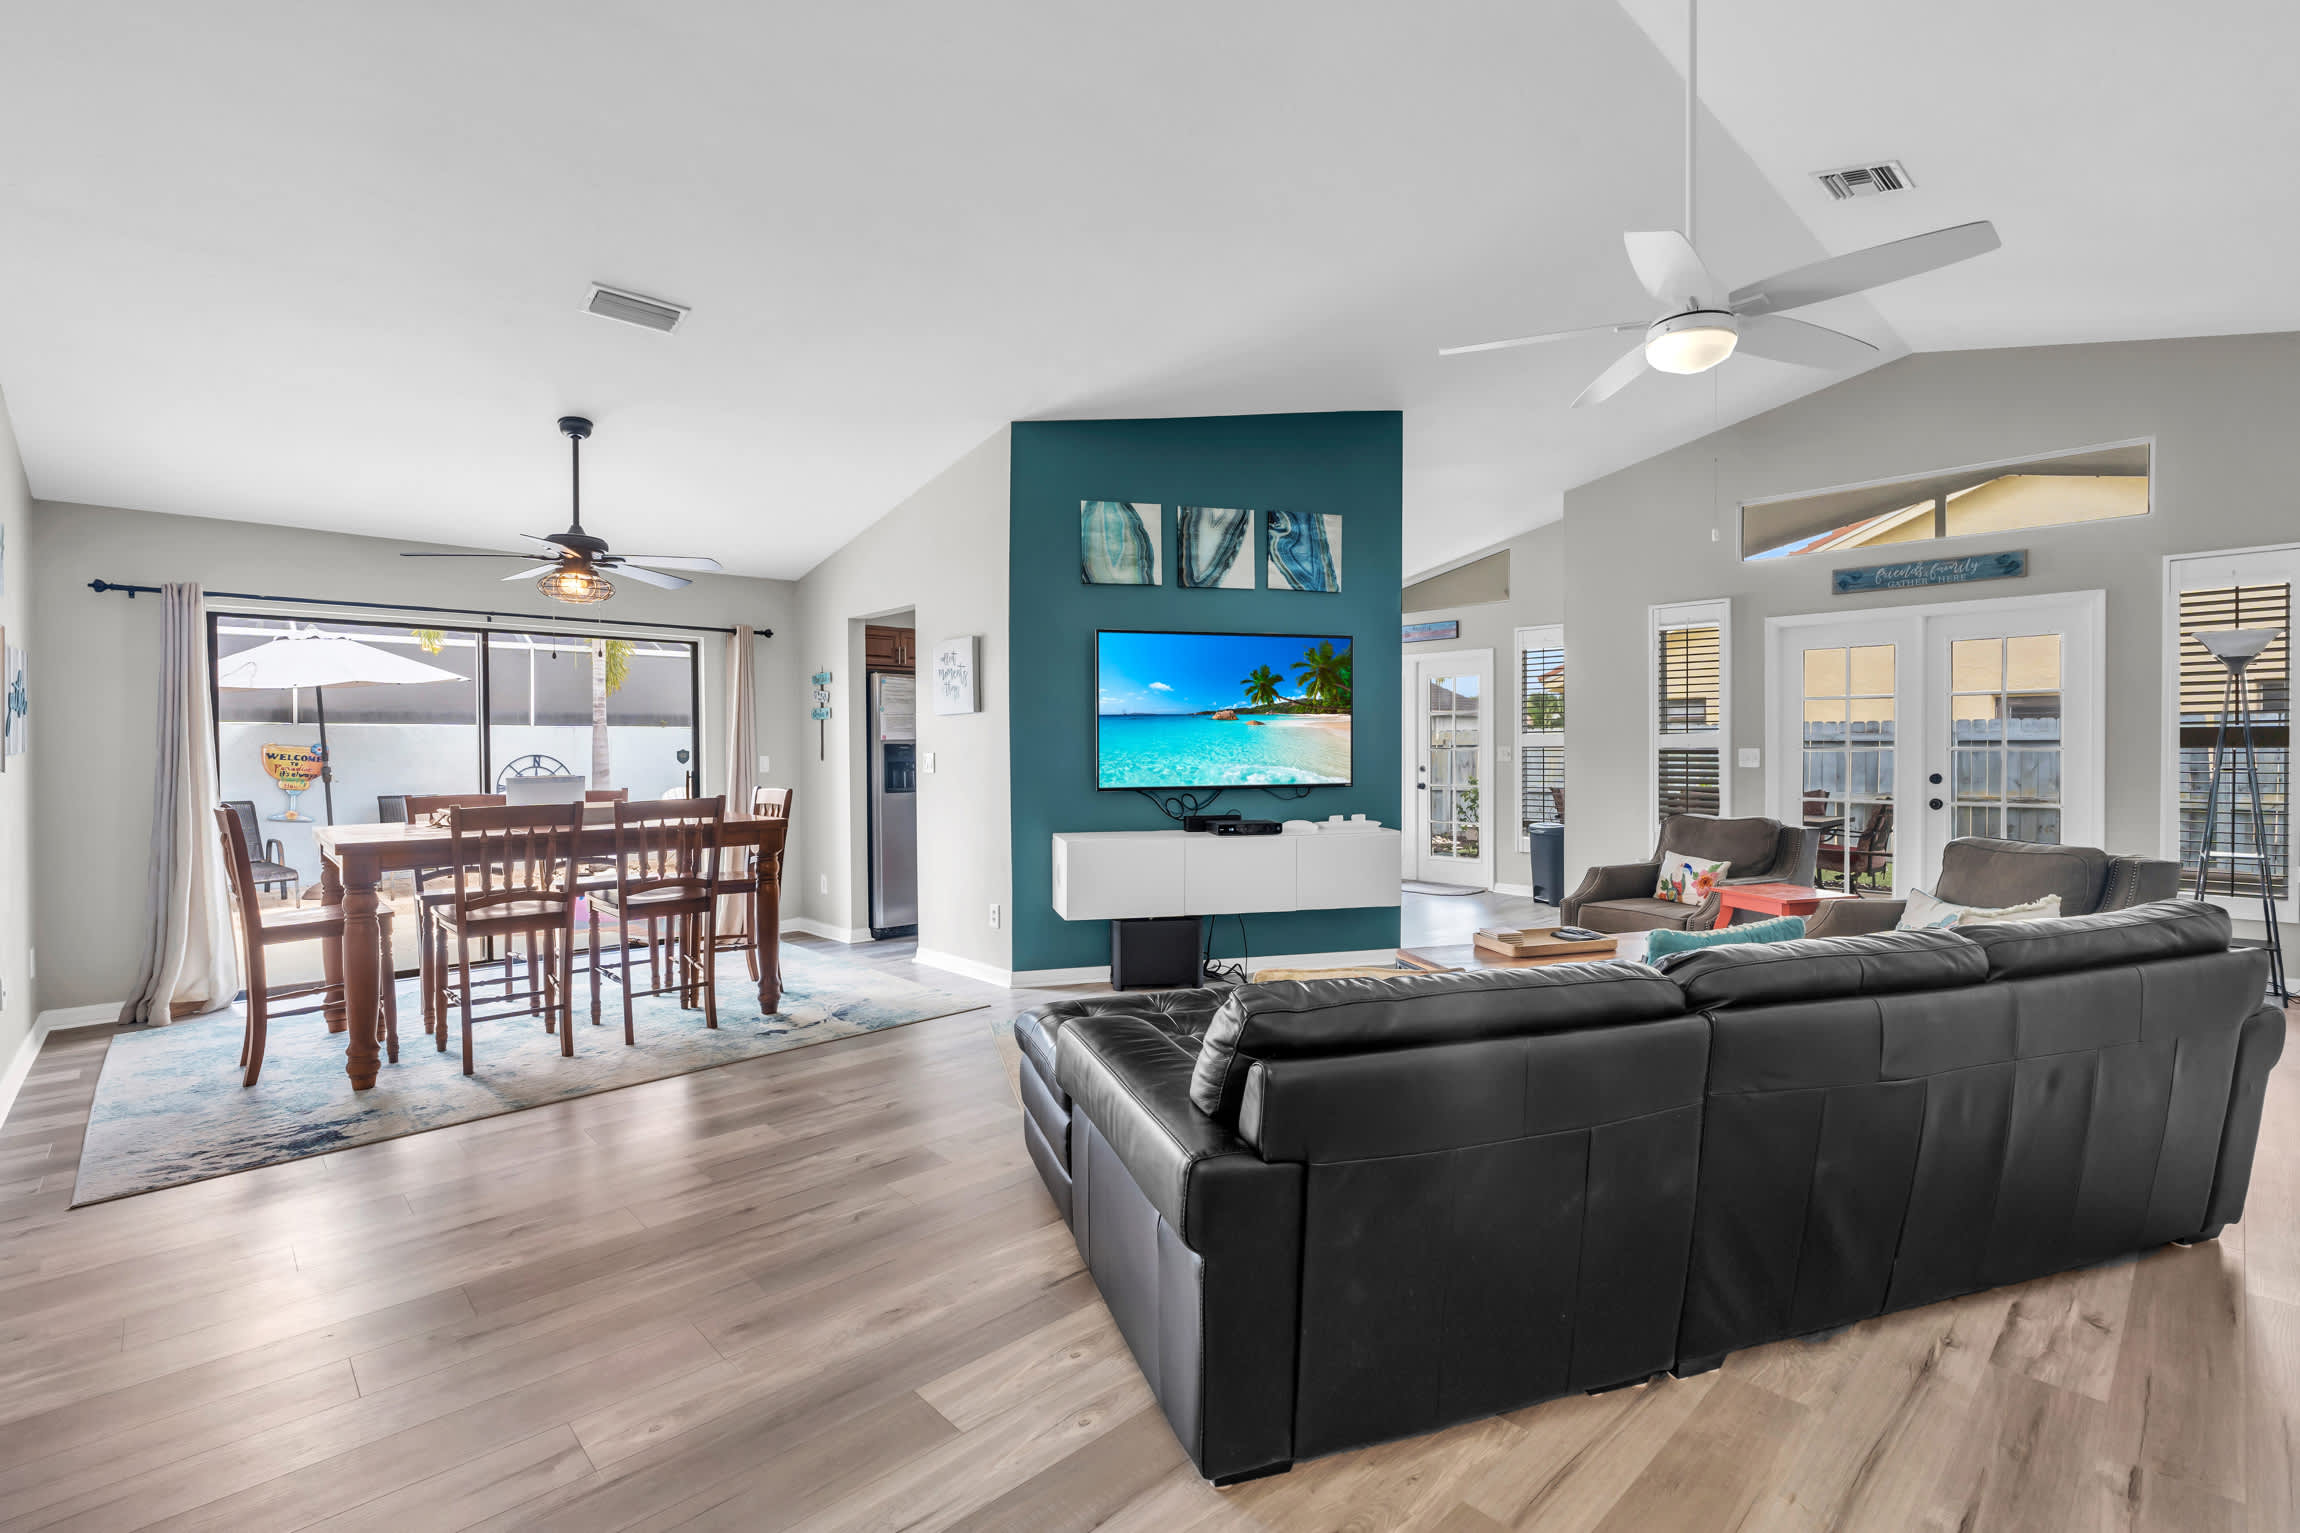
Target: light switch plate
(762,766)
(1749,756)
(926,761)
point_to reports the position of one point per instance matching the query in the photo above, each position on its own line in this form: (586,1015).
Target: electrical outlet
(994,918)
(926,762)
(762,766)
(822,883)
(1749,756)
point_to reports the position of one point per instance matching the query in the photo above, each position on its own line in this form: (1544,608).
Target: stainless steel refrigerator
(893,805)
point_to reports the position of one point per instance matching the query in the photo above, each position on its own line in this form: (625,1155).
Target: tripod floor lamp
(2236,649)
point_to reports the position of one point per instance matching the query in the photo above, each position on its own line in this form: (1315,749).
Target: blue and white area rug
(170,1108)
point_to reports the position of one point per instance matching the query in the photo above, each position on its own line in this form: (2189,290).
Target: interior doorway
(1451,701)
(1897,730)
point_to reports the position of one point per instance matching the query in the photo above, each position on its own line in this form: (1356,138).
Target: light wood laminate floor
(825,1290)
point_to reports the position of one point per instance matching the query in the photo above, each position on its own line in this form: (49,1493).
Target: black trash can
(1548,862)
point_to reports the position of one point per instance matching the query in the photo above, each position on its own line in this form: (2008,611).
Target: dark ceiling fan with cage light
(575,568)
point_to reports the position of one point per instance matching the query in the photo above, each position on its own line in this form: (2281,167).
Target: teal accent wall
(1349,463)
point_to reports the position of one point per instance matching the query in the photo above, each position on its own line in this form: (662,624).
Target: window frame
(1890,552)
(1666,617)
(483,764)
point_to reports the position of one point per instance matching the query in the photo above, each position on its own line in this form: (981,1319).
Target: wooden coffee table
(1772,899)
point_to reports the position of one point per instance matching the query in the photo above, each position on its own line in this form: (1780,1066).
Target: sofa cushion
(1636,915)
(1993,874)
(1296,1019)
(2140,934)
(1820,967)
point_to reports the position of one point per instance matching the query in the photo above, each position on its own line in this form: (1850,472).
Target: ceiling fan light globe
(577,585)
(1691,343)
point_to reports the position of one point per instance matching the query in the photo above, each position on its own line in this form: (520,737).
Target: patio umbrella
(319,661)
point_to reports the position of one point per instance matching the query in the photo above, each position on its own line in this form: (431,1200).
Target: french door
(1453,726)
(1899,729)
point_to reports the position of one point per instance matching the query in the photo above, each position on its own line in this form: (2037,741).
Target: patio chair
(270,868)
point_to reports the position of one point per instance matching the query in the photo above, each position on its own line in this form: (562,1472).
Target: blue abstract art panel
(1305,551)
(1214,547)
(1118,542)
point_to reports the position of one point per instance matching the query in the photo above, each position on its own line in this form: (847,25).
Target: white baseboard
(970,968)
(62,1020)
(1033,979)
(810,927)
(1522,891)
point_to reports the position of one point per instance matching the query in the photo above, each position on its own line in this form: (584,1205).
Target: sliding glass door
(619,713)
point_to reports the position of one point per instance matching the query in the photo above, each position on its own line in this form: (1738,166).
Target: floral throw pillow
(1688,880)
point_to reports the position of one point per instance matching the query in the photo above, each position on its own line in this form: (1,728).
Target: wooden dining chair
(606,795)
(258,936)
(666,876)
(513,875)
(431,809)
(757,874)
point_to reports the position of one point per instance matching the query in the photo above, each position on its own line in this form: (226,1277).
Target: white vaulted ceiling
(323,266)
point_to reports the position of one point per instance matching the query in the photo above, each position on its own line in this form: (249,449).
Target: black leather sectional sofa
(1331,1213)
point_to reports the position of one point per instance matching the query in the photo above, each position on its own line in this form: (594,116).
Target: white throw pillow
(1923,912)
(1688,880)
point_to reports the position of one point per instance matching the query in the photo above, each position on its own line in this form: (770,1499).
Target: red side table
(1771,899)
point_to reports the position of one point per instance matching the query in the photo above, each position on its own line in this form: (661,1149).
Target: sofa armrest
(2258,1046)
(1854,918)
(1620,881)
(1036,1031)
(1131,1079)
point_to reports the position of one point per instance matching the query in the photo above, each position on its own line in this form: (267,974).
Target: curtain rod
(530,618)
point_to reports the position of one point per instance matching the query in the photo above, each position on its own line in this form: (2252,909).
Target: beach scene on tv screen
(1222,710)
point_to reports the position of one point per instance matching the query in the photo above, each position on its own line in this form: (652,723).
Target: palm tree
(610,664)
(1325,675)
(1262,685)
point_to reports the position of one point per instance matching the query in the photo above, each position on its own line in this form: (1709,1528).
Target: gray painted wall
(940,555)
(1536,595)
(2220,410)
(18,1005)
(94,676)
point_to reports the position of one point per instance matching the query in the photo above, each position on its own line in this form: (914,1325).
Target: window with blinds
(1540,728)
(2204,693)
(1692,666)
(1689,664)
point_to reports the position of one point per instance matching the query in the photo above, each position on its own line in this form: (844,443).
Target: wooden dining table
(355,858)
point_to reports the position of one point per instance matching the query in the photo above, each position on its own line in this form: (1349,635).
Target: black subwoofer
(1158,953)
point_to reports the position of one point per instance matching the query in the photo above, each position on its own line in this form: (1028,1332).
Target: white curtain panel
(190,961)
(742,755)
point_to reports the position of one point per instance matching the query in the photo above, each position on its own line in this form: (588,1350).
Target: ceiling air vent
(634,309)
(1865,180)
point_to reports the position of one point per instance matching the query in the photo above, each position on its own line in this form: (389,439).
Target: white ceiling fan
(1701,325)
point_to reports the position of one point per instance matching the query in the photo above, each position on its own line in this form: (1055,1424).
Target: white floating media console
(1127,875)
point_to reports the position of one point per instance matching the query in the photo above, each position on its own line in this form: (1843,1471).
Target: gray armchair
(1977,871)
(1755,850)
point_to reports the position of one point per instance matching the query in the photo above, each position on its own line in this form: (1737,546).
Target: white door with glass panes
(1454,725)
(1904,728)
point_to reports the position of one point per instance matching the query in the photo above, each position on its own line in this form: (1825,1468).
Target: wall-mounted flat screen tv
(1221,710)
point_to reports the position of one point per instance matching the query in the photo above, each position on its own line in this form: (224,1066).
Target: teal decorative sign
(1931,572)
(1422,633)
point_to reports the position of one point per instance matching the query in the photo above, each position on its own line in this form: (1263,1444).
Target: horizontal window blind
(1688,782)
(1542,686)
(1690,693)
(1542,771)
